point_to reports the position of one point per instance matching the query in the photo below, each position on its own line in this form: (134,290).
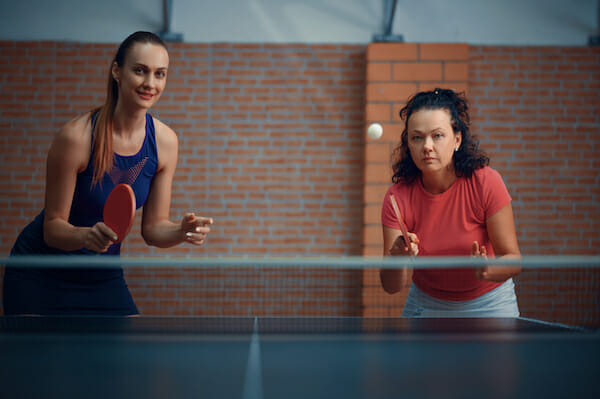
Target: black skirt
(61,291)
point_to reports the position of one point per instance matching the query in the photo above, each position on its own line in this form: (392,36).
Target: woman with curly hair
(453,204)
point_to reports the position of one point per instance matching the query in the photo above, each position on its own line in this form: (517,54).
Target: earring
(456,149)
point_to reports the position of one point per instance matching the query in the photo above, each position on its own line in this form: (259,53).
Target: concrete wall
(490,22)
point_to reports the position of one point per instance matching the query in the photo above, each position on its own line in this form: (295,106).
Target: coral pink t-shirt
(447,224)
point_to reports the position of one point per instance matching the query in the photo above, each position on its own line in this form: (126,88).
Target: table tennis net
(555,289)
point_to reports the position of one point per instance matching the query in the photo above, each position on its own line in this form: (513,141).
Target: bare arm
(502,234)
(157,229)
(393,280)
(69,155)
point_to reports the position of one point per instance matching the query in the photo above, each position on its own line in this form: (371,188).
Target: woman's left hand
(480,252)
(496,274)
(195,228)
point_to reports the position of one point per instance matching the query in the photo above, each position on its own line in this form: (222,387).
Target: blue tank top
(88,201)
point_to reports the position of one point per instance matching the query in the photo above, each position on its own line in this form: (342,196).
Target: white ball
(375,131)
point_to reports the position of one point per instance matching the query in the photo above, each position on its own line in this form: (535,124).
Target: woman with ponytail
(119,142)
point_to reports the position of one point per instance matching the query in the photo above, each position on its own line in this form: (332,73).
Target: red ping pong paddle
(403,228)
(119,210)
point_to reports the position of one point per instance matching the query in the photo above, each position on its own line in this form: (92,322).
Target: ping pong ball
(375,131)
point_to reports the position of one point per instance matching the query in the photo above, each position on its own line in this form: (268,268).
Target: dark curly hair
(467,159)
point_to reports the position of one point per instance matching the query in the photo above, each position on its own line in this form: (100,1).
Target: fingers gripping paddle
(119,210)
(403,228)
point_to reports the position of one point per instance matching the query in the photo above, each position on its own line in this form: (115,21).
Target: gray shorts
(500,302)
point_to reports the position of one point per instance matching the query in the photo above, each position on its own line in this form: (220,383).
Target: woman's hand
(399,247)
(397,279)
(98,237)
(195,228)
(480,252)
(496,274)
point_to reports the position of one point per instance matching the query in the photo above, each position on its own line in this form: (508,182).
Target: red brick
(378,153)
(379,71)
(417,71)
(375,112)
(443,52)
(391,52)
(390,91)
(456,71)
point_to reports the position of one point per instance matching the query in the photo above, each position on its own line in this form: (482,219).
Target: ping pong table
(281,357)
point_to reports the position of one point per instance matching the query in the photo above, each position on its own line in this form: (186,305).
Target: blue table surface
(280,357)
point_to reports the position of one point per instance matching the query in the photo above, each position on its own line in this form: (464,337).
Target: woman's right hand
(98,237)
(399,247)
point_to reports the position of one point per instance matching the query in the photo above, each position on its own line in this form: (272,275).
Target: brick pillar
(395,71)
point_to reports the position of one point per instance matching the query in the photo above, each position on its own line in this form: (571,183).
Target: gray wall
(488,22)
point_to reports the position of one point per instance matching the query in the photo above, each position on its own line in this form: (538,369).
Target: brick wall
(537,110)
(272,145)
(246,291)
